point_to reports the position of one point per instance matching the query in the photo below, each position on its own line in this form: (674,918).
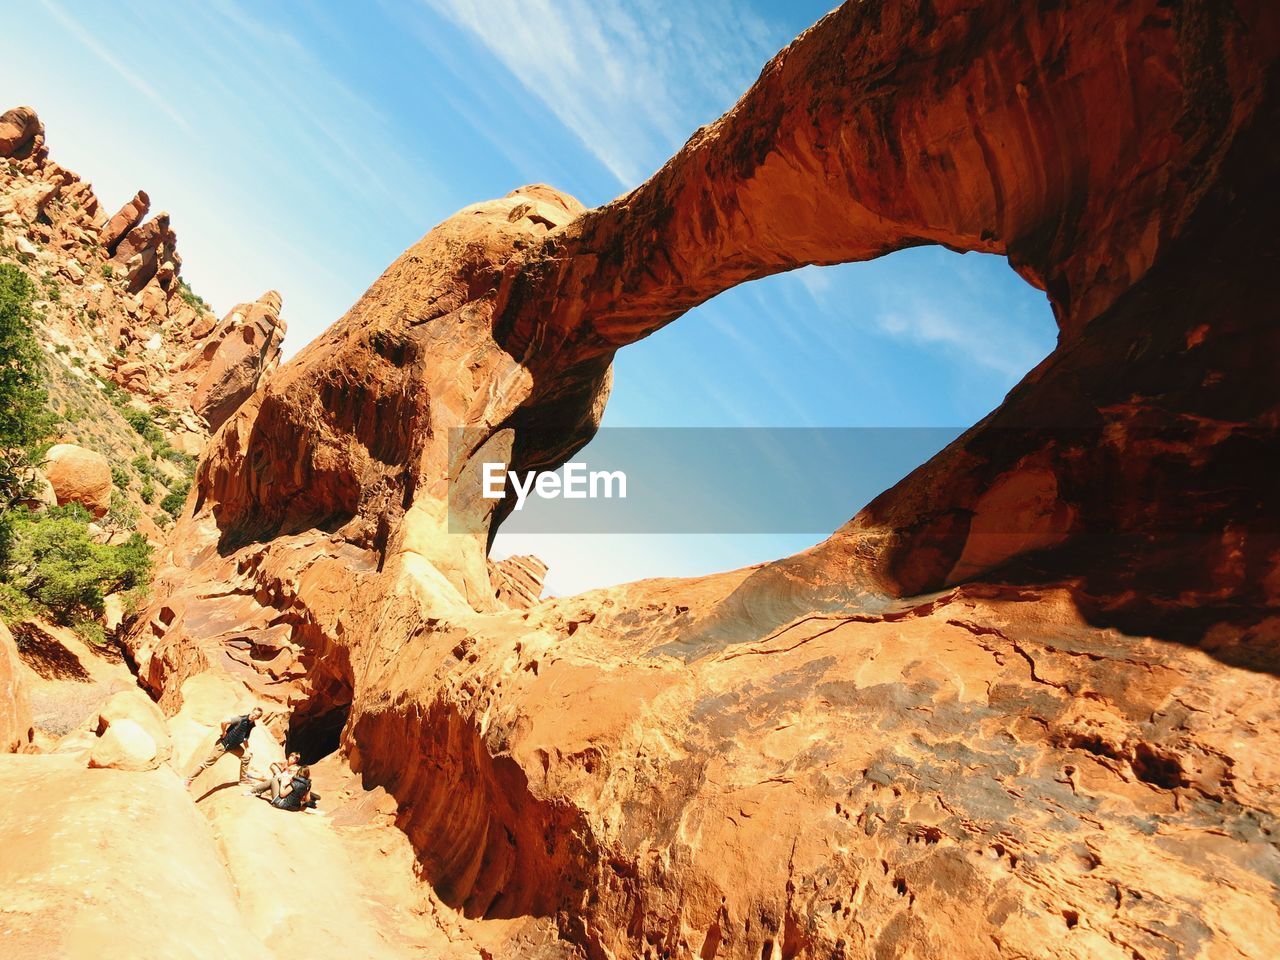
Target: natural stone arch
(976,770)
(881,127)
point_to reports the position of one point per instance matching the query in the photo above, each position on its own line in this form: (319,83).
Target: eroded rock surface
(236,357)
(518,581)
(1017,707)
(110,864)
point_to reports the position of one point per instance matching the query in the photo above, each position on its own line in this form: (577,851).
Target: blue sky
(303,145)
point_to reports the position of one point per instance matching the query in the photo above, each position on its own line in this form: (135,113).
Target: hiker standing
(233,739)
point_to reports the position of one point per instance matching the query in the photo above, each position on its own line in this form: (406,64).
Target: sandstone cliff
(1019,706)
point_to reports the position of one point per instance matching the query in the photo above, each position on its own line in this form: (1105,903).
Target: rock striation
(518,581)
(1018,706)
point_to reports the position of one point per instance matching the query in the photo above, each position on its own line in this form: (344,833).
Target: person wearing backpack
(281,777)
(297,796)
(233,739)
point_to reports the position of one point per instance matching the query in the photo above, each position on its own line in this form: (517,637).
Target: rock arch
(938,731)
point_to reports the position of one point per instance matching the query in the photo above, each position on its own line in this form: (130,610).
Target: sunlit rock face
(1019,706)
(235,358)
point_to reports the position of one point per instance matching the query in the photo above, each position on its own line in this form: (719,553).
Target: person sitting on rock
(234,739)
(298,795)
(281,776)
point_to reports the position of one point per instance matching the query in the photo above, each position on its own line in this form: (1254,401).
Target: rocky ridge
(114,296)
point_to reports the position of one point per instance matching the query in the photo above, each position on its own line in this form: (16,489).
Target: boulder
(79,476)
(132,733)
(125,746)
(21,132)
(135,706)
(15,706)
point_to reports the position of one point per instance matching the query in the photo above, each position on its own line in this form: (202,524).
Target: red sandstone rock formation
(21,133)
(79,476)
(15,705)
(517,581)
(939,732)
(143,250)
(126,218)
(121,305)
(235,358)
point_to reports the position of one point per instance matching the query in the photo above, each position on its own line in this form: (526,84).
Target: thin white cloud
(630,83)
(973,336)
(107,57)
(307,95)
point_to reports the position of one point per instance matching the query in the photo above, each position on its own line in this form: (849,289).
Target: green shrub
(118,396)
(107,271)
(24,417)
(122,513)
(148,491)
(185,461)
(190,296)
(176,499)
(142,422)
(15,606)
(144,465)
(120,476)
(55,563)
(91,632)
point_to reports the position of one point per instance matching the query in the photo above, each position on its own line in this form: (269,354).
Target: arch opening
(923,341)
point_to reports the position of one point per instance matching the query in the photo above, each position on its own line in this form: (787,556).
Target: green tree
(176,499)
(24,418)
(55,562)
